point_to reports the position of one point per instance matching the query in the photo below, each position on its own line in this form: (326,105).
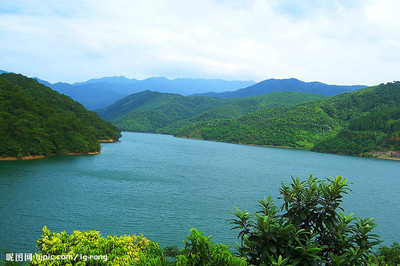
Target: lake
(161,186)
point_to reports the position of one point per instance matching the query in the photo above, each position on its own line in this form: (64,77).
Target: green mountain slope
(247,105)
(374,124)
(244,106)
(151,100)
(164,113)
(342,124)
(35,120)
(147,111)
(280,126)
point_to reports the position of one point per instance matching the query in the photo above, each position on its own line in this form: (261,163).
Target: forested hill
(148,110)
(237,107)
(359,122)
(163,112)
(35,120)
(278,85)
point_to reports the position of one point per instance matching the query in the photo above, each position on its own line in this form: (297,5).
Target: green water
(162,186)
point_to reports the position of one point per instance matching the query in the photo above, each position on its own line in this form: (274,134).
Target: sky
(332,41)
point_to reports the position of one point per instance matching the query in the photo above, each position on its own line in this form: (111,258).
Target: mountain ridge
(99,93)
(291,84)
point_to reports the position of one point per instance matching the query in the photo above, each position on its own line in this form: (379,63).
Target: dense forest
(357,122)
(35,120)
(156,112)
(147,111)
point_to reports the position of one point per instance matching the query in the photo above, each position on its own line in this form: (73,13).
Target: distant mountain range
(99,93)
(92,95)
(278,85)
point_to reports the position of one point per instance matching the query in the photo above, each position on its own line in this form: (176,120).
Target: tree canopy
(35,120)
(309,228)
(359,122)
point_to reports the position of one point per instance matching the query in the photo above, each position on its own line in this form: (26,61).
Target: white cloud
(338,42)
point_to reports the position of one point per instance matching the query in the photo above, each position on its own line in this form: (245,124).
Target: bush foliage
(311,230)
(129,250)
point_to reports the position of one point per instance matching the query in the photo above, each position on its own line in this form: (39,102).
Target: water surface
(161,186)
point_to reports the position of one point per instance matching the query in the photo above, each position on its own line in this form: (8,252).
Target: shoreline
(296,148)
(248,144)
(388,158)
(34,157)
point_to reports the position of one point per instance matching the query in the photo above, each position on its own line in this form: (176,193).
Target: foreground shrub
(89,248)
(310,231)
(199,250)
(387,255)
